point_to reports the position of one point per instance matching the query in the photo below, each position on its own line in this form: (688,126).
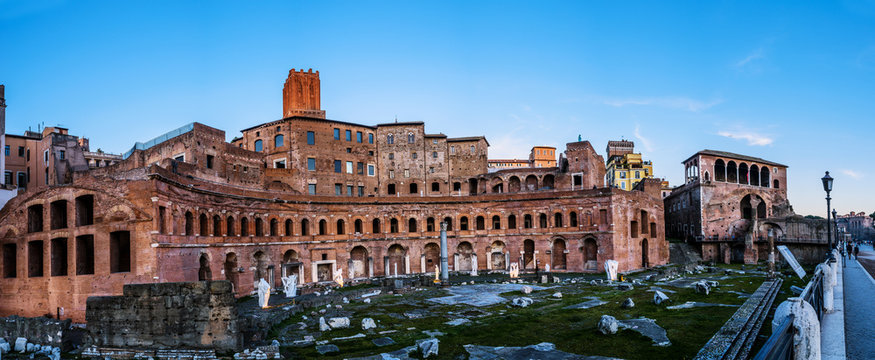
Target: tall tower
(301,94)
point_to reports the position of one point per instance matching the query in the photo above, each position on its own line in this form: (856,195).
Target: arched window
(777,185)
(511,221)
(764,176)
(429,224)
(463,223)
(274,224)
(259,227)
(572,219)
(731,172)
(189,227)
(288,227)
(204,226)
(375,226)
(357,226)
(390,139)
(542,220)
(305,227)
(244,226)
(340,227)
(527,221)
(719,170)
(557,220)
(449,222)
(410,138)
(229,226)
(323,227)
(278,141)
(393,225)
(411,225)
(217,225)
(496,222)
(258,146)
(481,223)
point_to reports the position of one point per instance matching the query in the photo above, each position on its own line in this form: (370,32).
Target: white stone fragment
(608,325)
(428,347)
(368,323)
(339,322)
(611,269)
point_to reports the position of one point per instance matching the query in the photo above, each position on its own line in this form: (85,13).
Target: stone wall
(191,315)
(37,330)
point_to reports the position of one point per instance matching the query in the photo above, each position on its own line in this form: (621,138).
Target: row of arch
(395,260)
(241,227)
(512,185)
(741,174)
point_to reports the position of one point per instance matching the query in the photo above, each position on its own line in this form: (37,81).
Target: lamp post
(827,186)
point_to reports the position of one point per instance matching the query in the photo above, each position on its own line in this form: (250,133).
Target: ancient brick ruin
(307,195)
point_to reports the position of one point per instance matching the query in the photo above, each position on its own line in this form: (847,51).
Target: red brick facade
(194,207)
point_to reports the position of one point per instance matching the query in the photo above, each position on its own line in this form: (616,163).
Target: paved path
(859,293)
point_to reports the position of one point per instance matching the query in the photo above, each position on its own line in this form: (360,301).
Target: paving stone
(327,349)
(383,341)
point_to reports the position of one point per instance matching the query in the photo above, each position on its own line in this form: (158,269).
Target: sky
(792,82)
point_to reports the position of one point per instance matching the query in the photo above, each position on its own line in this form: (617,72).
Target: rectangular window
(452,150)
(603,216)
(337,166)
(279,164)
(119,251)
(391,156)
(361,191)
(35,218)
(6,150)
(349,190)
(7,176)
(434,154)
(358,137)
(360,168)
(35,258)
(414,155)
(210,161)
(336,134)
(46,156)
(431,170)
(10,259)
(62,154)
(370,138)
(311,138)
(59,257)
(311,189)
(180,158)
(349,135)
(311,164)
(370,170)
(391,174)
(406,173)
(349,167)
(21,151)
(338,189)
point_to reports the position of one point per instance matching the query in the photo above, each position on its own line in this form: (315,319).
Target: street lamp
(827,186)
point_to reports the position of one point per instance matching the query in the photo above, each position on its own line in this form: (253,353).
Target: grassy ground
(574,331)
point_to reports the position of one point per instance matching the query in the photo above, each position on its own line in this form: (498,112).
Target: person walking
(857,251)
(850,249)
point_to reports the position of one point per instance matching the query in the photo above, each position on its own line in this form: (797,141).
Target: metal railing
(780,343)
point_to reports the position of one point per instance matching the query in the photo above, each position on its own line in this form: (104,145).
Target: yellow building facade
(625,168)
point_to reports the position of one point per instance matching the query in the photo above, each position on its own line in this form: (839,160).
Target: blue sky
(789,82)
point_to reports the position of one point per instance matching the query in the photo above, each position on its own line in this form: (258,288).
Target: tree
(872,215)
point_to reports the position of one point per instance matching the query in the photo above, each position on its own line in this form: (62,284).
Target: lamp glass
(827,182)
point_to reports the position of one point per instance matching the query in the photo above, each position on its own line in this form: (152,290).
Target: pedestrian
(857,251)
(850,250)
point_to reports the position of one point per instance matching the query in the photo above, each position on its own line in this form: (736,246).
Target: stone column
(422,264)
(386,271)
(445,269)
(407,263)
(350,273)
(828,286)
(806,342)
(370,266)
(456,262)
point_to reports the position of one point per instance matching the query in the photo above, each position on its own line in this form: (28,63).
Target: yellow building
(625,168)
(543,156)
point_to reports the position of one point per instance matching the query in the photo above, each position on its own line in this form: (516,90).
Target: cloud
(644,141)
(750,59)
(671,102)
(751,137)
(853,174)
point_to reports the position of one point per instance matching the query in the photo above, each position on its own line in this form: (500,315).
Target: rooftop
(735,156)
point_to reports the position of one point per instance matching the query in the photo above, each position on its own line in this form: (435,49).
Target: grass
(573,331)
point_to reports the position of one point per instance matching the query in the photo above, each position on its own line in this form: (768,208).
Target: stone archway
(528,254)
(497,256)
(559,256)
(204,273)
(395,260)
(358,262)
(432,254)
(590,254)
(261,262)
(464,256)
(231,270)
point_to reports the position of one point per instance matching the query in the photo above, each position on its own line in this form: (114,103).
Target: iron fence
(780,343)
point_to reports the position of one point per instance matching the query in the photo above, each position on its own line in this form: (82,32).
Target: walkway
(859,293)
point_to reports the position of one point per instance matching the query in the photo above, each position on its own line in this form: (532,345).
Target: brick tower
(301,94)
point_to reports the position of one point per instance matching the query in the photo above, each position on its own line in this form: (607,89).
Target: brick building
(290,196)
(731,204)
(858,224)
(625,167)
